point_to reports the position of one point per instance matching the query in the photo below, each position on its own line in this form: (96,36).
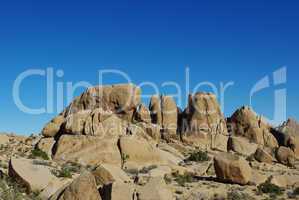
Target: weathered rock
(33,176)
(258,178)
(169,158)
(262,155)
(285,156)
(75,122)
(155,189)
(142,114)
(152,130)
(219,142)
(120,191)
(107,174)
(114,183)
(4,139)
(54,187)
(138,152)
(53,127)
(285,180)
(147,131)
(170,149)
(242,146)
(203,120)
(46,145)
(155,109)
(82,188)
(288,135)
(245,122)
(232,168)
(169,116)
(121,99)
(88,150)
(160,171)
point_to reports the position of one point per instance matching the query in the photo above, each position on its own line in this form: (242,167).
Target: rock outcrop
(203,121)
(34,176)
(164,112)
(285,156)
(246,123)
(82,188)
(231,168)
(242,146)
(288,135)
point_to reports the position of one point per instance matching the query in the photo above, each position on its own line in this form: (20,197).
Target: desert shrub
(251,158)
(11,190)
(64,172)
(198,156)
(296,191)
(145,170)
(269,188)
(183,179)
(41,162)
(37,153)
(167,179)
(294,194)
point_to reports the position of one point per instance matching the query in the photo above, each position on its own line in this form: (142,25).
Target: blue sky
(220,41)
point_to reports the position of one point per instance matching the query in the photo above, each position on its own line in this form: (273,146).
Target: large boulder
(75,123)
(285,156)
(169,113)
(142,114)
(246,123)
(164,112)
(114,184)
(121,99)
(138,152)
(97,145)
(33,176)
(53,127)
(262,155)
(242,146)
(231,168)
(148,131)
(106,174)
(87,150)
(155,110)
(155,189)
(46,145)
(219,142)
(288,135)
(202,120)
(82,188)
(93,106)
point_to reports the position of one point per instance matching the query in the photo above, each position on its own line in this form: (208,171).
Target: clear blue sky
(240,41)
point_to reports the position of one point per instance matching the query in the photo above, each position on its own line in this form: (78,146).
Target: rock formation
(107,145)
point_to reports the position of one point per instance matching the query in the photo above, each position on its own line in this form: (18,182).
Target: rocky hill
(107,145)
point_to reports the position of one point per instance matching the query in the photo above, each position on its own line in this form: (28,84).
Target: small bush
(145,170)
(63,173)
(167,179)
(269,188)
(41,162)
(36,153)
(183,179)
(199,156)
(296,191)
(11,190)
